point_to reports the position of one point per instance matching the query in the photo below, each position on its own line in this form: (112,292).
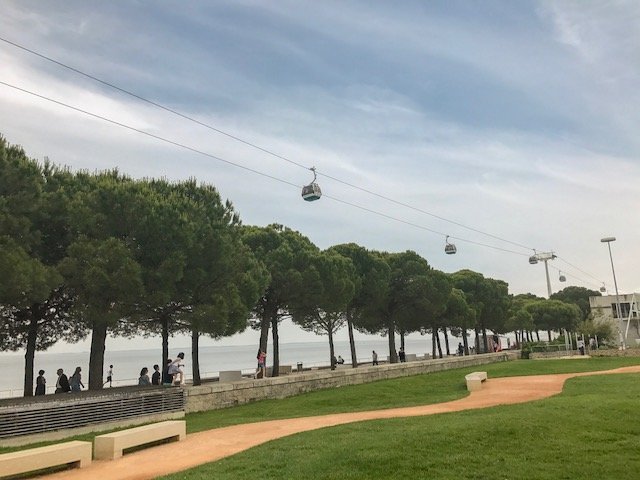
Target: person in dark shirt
(62,384)
(167,378)
(41,383)
(157,376)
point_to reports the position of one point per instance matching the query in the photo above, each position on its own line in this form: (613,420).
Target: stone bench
(474,380)
(230,376)
(76,453)
(110,445)
(282,370)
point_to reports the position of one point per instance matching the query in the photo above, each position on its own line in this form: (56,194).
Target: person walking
(175,369)
(62,384)
(401,354)
(167,378)
(109,377)
(262,364)
(460,349)
(374,356)
(144,380)
(156,378)
(41,383)
(76,380)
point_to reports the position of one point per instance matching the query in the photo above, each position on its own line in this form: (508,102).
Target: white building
(604,308)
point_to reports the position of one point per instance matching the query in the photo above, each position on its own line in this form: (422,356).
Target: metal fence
(78,410)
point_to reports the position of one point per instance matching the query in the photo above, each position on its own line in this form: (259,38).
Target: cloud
(471,113)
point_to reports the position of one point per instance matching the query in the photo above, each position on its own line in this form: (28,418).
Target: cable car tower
(545,257)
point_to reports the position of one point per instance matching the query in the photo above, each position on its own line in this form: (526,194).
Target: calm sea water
(128,363)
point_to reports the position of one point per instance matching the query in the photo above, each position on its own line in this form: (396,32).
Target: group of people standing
(64,384)
(172,374)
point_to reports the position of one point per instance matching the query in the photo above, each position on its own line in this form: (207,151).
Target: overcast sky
(518,119)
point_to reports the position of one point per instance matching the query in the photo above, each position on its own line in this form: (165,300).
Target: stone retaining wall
(216,396)
(629,352)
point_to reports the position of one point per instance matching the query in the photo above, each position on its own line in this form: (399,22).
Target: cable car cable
(253,145)
(157,137)
(577,268)
(200,152)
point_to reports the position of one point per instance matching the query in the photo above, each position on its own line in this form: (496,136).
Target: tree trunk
(164,321)
(265,322)
(393,356)
(352,343)
(438,343)
(332,352)
(549,335)
(32,335)
(275,370)
(96,357)
(195,356)
(433,344)
(538,335)
(446,340)
(484,340)
(465,342)
(402,340)
(477,340)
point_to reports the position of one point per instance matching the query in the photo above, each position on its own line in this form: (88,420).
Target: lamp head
(608,239)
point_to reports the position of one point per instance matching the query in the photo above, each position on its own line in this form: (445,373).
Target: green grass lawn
(407,391)
(589,431)
(400,392)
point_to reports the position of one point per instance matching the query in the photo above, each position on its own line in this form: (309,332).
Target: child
(156,377)
(109,377)
(262,368)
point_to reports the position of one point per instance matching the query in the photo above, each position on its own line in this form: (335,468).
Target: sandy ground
(211,445)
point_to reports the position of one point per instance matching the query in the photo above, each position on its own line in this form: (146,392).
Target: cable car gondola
(449,248)
(562,278)
(533,259)
(312,191)
(603,288)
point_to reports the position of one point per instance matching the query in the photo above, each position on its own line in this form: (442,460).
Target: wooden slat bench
(474,380)
(76,453)
(110,445)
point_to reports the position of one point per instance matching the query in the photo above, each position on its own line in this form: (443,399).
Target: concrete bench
(76,453)
(282,370)
(474,380)
(230,376)
(110,445)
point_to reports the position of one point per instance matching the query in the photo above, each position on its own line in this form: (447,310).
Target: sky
(517,119)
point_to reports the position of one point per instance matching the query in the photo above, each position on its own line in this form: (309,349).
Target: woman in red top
(262,361)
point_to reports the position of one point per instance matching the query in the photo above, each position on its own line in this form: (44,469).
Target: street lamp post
(608,241)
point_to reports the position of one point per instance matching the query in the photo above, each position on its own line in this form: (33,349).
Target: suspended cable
(579,269)
(581,280)
(157,137)
(253,145)
(215,157)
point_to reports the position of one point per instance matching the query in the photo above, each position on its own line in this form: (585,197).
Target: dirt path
(211,445)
